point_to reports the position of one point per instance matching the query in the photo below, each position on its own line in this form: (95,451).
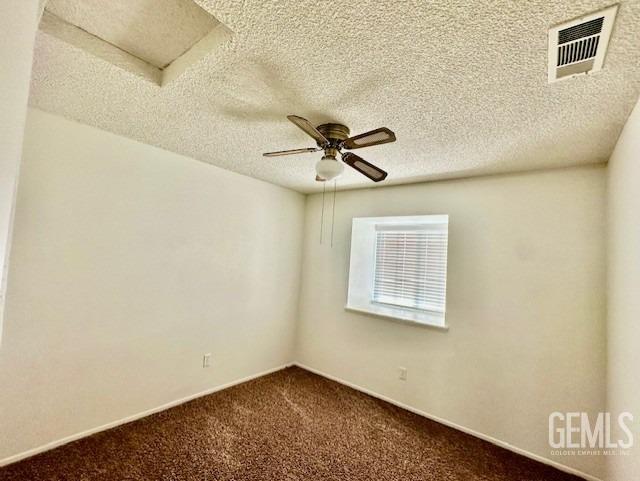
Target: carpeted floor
(291,425)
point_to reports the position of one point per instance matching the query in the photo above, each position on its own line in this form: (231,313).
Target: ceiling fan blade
(291,152)
(306,126)
(365,168)
(319,179)
(374,137)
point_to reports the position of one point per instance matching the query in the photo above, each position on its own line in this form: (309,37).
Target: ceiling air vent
(579,46)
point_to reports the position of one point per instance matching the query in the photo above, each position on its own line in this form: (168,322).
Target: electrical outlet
(206,360)
(402,373)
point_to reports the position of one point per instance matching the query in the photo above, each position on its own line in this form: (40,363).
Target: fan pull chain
(322,212)
(333,213)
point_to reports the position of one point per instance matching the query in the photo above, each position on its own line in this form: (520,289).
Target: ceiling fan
(333,138)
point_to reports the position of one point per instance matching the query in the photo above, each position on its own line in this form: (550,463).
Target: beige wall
(18,24)
(129,263)
(526,305)
(623,332)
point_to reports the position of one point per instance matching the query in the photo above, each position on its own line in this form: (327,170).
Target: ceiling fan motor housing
(334,133)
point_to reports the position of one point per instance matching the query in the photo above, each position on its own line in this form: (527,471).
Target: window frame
(362,267)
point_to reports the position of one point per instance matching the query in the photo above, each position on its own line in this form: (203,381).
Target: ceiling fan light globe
(328,168)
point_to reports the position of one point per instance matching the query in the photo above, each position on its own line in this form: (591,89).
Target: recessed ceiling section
(154,39)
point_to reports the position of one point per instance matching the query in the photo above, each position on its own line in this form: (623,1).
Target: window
(398,267)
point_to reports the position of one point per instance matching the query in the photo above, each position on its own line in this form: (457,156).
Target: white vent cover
(578,47)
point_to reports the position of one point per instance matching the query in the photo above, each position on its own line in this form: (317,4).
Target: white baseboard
(74,437)
(450,424)
(134,417)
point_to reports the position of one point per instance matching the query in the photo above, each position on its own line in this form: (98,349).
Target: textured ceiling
(462,84)
(156,31)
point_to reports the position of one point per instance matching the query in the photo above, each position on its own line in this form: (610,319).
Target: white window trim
(362,264)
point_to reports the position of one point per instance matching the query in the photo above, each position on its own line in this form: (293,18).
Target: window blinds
(411,268)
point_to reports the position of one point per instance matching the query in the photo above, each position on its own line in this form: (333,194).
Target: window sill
(399,316)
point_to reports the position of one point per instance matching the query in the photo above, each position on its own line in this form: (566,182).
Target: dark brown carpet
(291,425)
